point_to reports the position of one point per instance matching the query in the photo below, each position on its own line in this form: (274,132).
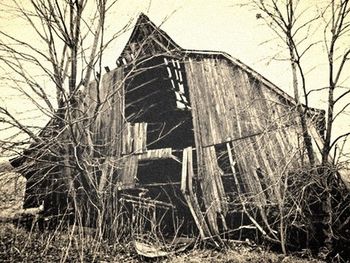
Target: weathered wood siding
(134,138)
(102,112)
(107,121)
(229,105)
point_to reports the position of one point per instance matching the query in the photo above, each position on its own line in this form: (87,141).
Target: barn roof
(145,30)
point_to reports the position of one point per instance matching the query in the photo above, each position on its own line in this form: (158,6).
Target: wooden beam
(186,180)
(156,154)
(232,165)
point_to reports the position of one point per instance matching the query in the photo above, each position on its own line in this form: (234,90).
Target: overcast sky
(220,25)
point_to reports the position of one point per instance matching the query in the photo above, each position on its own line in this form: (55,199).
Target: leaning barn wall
(231,107)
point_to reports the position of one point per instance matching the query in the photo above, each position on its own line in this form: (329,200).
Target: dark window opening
(157,93)
(173,134)
(175,73)
(160,180)
(155,87)
(160,171)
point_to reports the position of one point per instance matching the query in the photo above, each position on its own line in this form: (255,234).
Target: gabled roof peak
(146,39)
(143,16)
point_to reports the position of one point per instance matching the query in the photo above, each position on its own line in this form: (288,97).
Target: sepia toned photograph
(175,131)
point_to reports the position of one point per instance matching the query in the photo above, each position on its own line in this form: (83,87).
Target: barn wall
(229,105)
(108,122)
(101,114)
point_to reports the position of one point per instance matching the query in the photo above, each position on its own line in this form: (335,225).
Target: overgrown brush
(20,245)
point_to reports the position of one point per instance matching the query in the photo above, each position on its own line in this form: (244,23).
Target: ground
(20,245)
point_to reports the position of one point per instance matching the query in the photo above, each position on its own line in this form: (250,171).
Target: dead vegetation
(20,245)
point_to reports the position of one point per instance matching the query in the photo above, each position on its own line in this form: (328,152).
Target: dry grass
(242,255)
(20,245)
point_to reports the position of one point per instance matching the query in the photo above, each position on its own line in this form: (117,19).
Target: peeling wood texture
(191,198)
(128,171)
(104,103)
(157,154)
(230,105)
(134,138)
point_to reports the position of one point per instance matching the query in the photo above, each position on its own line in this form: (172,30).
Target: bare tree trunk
(301,110)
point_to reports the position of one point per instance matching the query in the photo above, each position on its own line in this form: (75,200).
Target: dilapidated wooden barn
(189,137)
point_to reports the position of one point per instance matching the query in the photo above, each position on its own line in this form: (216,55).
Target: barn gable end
(146,40)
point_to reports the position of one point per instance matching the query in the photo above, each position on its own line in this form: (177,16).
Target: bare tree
(282,19)
(66,50)
(74,163)
(336,31)
(286,19)
(293,23)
